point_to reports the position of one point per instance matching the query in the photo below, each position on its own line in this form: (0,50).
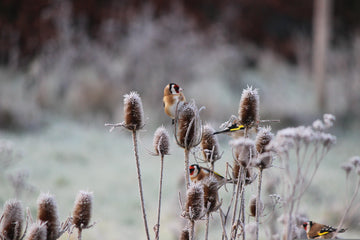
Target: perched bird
(173,95)
(234,127)
(198,173)
(319,231)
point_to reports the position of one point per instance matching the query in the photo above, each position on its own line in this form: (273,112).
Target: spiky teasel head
(12,221)
(133,111)
(211,195)
(249,175)
(264,160)
(188,126)
(244,151)
(263,138)
(195,201)
(82,209)
(161,141)
(37,231)
(249,107)
(48,214)
(253,205)
(185,234)
(210,144)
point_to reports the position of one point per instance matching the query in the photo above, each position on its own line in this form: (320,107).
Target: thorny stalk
(140,183)
(207,226)
(157,227)
(258,199)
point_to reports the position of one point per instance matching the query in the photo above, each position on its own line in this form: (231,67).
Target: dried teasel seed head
(48,214)
(133,111)
(249,176)
(329,120)
(211,195)
(264,160)
(185,234)
(188,126)
(161,141)
(82,209)
(37,231)
(244,151)
(12,221)
(236,170)
(210,144)
(249,107)
(195,201)
(347,167)
(252,206)
(263,138)
(355,161)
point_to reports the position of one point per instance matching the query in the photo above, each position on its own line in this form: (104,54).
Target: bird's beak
(180,90)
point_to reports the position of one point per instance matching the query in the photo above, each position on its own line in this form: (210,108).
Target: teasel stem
(79,233)
(207,226)
(187,175)
(242,209)
(140,183)
(157,230)
(258,203)
(239,185)
(192,227)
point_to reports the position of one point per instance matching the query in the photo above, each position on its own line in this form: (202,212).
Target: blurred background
(65,66)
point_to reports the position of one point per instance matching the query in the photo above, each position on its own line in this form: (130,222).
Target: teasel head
(188,126)
(264,160)
(253,205)
(195,201)
(347,167)
(48,214)
(12,220)
(249,107)
(185,234)
(133,112)
(82,209)
(243,150)
(210,144)
(161,141)
(211,196)
(263,138)
(37,231)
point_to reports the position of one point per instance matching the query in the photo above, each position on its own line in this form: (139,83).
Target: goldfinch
(198,173)
(173,95)
(232,128)
(319,231)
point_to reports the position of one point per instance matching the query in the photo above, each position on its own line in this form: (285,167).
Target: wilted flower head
(329,120)
(48,214)
(133,111)
(249,107)
(12,221)
(188,129)
(37,231)
(355,161)
(318,125)
(253,205)
(195,201)
(210,144)
(264,160)
(185,234)
(263,138)
(161,141)
(82,209)
(244,150)
(347,167)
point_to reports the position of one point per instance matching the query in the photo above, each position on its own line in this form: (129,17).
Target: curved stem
(140,183)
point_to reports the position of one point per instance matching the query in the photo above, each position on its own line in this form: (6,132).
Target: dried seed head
(195,201)
(249,176)
(211,195)
(252,206)
(318,125)
(210,144)
(133,111)
(82,209)
(37,231)
(244,150)
(249,107)
(263,138)
(236,170)
(264,160)
(355,161)
(184,234)
(12,221)
(48,213)
(161,141)
(329,120)
(347,167)
(188,126)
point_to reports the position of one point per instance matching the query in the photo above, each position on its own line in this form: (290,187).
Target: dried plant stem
(140,183)
(207,226)
(157,230)
(79,233)
(348,207)
(187,176)
(239,191)
(192,227)
(258,205)
(222,218)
